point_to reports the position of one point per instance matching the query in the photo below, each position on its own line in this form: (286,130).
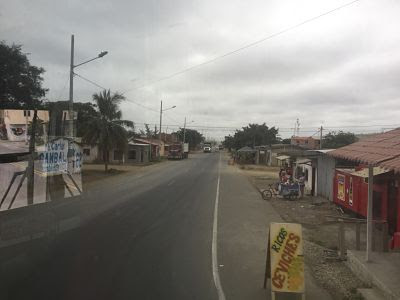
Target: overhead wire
(271,36)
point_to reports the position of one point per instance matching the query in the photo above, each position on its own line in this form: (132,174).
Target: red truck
(178,151)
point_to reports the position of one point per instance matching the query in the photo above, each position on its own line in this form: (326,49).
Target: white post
(369,211)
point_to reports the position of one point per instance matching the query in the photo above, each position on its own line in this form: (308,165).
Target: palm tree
(105,128)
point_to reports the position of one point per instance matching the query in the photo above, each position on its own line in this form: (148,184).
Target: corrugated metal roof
(380,150)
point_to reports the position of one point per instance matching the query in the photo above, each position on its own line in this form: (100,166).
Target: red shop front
(350,190)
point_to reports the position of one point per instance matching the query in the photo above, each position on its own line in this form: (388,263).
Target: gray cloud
(342,69)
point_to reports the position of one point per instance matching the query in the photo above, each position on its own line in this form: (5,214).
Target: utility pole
(369,211)
(320,138)
(159,134)
(31,163)
(184,131)
(71,91)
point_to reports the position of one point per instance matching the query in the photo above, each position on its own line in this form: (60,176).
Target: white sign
(75,155)
(54,157)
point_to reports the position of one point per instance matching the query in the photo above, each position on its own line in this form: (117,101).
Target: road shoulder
(242,239)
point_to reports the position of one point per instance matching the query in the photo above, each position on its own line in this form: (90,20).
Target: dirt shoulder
(321,236)
(95,172)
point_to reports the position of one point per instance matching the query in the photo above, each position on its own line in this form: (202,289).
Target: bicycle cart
(288,191)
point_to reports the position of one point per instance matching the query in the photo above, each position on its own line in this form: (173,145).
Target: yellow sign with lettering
(286,257)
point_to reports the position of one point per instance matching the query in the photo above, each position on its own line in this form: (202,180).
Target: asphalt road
(156,241)
(155,245)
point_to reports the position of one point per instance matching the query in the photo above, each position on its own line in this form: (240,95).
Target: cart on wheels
(285,190)
(289,190)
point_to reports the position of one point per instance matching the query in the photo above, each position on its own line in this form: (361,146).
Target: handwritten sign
(53,159)
(75,156)
(286,257)
(340,187)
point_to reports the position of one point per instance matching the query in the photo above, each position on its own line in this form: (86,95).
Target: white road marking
(217,281)
(171,182)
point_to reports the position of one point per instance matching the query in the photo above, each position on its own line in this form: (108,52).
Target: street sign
(285,260)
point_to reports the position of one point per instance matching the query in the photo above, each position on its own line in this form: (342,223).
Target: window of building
(117,155)
(86,151)
(132,154)
(27,113)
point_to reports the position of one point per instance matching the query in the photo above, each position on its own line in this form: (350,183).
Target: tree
(252,135)
(85,110)
(20,82)
(229,142)
(286,141)
(106,129)
(338,139)
(192,136)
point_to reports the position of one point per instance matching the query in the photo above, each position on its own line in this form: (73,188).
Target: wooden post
(358,225)
(342,240)
(369,211)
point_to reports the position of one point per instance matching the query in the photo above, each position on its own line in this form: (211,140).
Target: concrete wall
(15,122)
(40,220)
(93,155)
(326,172)
(142,154)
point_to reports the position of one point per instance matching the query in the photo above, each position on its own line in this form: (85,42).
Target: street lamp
(184,130)
(71,83)
(159,134)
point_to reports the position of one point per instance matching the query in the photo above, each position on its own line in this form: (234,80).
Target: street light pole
(71,85)
(71,91)
(159,134)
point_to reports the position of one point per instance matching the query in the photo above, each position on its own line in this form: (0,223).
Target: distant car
(207,149)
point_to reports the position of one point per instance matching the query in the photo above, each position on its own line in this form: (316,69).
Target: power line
(129,100)
(243,47)
(90,81)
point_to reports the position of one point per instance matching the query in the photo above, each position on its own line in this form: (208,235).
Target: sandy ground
(320,234)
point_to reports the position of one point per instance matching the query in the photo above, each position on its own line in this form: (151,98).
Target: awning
(282,157)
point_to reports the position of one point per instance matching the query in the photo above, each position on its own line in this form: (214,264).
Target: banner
(286,257)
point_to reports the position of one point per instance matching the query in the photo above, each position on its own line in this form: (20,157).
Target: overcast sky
(342,69)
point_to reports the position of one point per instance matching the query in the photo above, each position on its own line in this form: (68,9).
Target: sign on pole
(53,159)
(285,261)
(75,156)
